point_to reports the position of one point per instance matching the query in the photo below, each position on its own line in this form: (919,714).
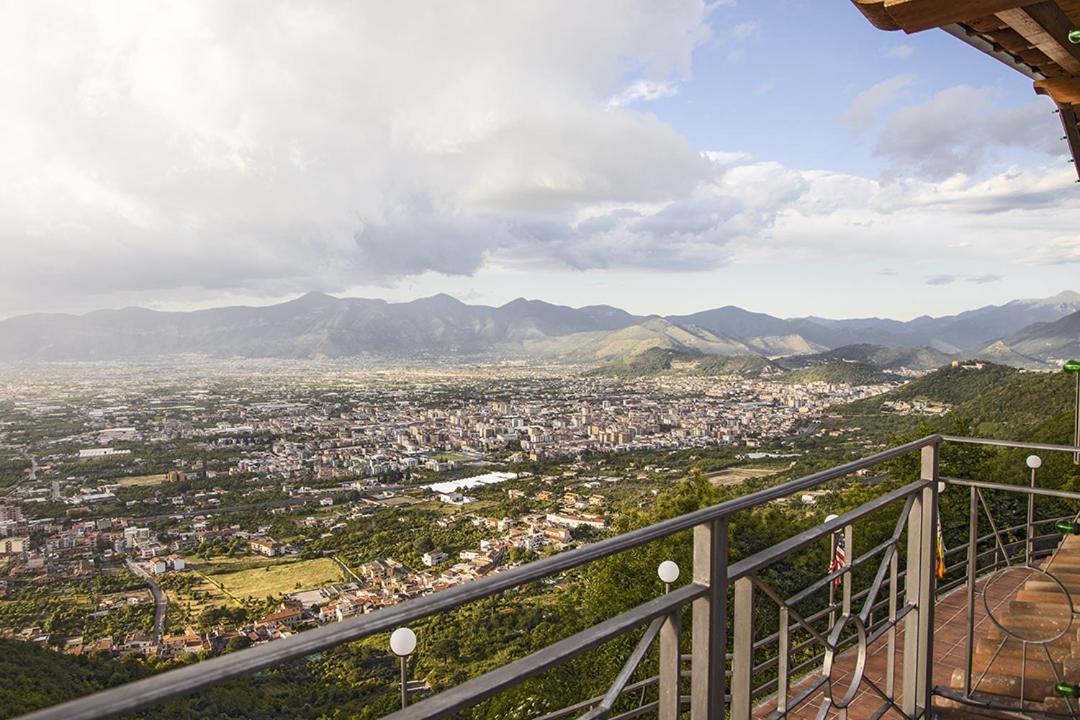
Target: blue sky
(781,155)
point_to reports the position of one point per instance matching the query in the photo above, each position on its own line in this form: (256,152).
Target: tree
(237,643)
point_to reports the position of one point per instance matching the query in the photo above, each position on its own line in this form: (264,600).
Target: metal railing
(731,671)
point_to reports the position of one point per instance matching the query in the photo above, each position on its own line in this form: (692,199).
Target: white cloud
(285,146)
(643,91)
(261,148)
(1001,220)
(867,106)
(1058,251)
(744,30)
(959,129)
(898,52)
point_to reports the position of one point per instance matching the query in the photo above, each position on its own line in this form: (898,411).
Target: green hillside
(949,385)
(922,359)
(748,366)
(840,372)
(656,361)
(1021,404)
(34,677)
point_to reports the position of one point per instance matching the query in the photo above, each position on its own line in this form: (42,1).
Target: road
(161,602)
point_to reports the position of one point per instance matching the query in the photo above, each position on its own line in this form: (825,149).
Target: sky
(663,157)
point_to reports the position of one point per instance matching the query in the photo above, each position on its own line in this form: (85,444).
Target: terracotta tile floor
(950,623)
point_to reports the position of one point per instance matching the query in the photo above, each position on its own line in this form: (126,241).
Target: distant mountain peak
(318,324)
(1065,297)
(313,298)
(441,299)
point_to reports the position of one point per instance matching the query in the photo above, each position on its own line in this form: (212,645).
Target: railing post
(669,667)
(709,630)
(919,590)
(972,571)
(742,658)
(849,555)
(782,646)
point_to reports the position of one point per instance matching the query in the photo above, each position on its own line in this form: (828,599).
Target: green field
(137,480)
(276,578)
(736,475)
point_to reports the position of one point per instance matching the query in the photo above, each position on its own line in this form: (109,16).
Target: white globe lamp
(402,642)
(668,571)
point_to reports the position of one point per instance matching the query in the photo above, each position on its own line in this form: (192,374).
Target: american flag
(838,559)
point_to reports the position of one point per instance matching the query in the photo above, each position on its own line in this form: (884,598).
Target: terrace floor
(1025,601)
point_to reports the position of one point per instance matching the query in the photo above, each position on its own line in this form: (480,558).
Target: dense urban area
(155,514)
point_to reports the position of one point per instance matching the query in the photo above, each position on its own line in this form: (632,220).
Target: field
(136,480)
(270,577)
(732,476)
(229,582)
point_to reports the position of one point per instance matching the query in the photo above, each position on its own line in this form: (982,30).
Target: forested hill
(951,385)
(34,677)
(666,361)
(657,361)
(1034,406)
(840,372)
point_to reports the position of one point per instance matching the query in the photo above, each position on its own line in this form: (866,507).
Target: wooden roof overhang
(1030,37)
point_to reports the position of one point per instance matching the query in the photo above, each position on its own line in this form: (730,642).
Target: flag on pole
(839,558)
(939,554)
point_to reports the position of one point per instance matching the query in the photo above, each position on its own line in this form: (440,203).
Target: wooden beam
(1046,27)
(1072,134)
(1063,90)
(917,15)
(874,11)
(1010,40)
(1035,58)
(985,23)
(1072,9)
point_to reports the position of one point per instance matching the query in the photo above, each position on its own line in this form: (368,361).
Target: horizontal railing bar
(824,581)
(181,681)
(479,689)
(1014,528)
(1022,489)
(1011,444)
(772,661)
(771,555)
(638,711)
(571,709)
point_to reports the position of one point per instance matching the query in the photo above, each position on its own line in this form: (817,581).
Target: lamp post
(402,643)
(669,573)
(1072,367)
(1034,462)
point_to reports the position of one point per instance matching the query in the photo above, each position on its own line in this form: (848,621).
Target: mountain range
(1032,332)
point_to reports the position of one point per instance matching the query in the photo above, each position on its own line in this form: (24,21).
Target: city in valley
(198,507)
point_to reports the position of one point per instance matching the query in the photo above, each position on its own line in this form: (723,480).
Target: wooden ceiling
(1030,37)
